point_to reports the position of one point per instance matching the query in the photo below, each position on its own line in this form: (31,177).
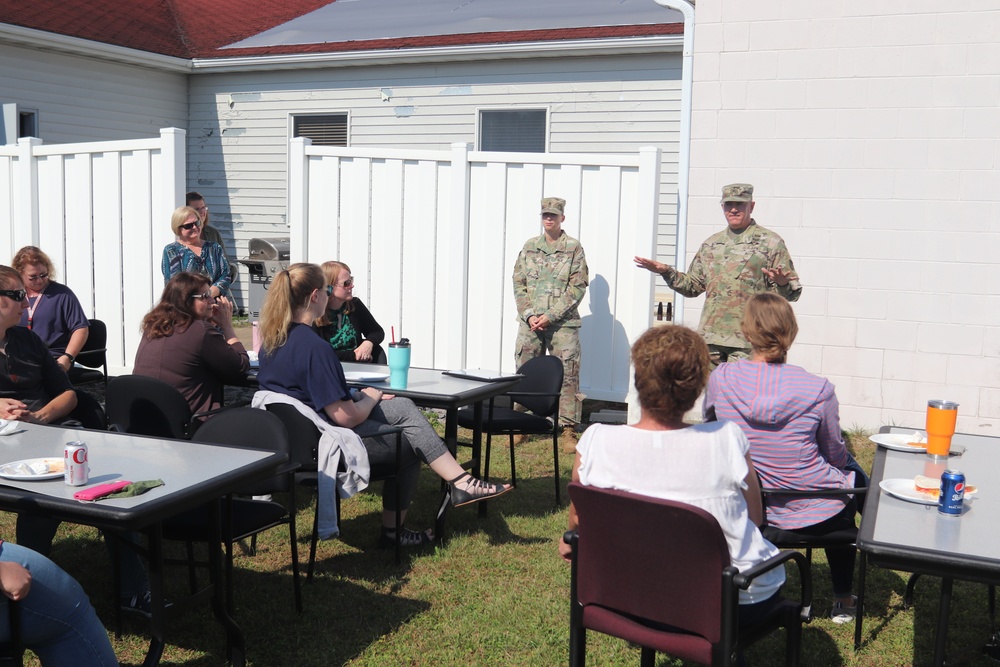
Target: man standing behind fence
(550,279)
(742,260)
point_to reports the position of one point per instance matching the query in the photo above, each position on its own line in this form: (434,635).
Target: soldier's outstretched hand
(651,265)
(778,275)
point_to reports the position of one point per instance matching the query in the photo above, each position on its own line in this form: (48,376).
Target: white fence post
(452,336)
(25,227)
(298,200)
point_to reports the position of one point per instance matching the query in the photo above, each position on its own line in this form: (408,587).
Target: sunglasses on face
(347,284)
(190,225)
(40,276)
(204,295)
(15,294)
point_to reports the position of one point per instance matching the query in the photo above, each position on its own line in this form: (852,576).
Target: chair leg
(513,469)
(793,642)
(315,537)
(859,619)
(397,481)
(293,539)
(647,657)
(555,469)
(910,585)
(486,456)
(577,646)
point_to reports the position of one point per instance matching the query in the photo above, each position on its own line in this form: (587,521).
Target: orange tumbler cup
(941,417)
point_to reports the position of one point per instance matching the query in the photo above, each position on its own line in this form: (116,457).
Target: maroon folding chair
(657,573)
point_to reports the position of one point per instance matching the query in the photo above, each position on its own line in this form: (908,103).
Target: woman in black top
(347,324)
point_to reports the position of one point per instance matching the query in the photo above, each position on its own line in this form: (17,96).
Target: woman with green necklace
(347,324)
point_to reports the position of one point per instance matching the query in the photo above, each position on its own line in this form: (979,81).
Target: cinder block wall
(871,132)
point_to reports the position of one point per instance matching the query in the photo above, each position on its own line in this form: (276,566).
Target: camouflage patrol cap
(554,205)
(737,192)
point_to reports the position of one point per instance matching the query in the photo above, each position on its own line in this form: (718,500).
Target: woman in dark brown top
(189,342)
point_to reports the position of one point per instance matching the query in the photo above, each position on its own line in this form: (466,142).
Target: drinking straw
(393,333)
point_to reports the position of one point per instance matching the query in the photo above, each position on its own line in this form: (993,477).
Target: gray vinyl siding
(83,99)
(240,123)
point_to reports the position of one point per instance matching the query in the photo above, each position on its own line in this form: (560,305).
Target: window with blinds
(512,130)
(324,130)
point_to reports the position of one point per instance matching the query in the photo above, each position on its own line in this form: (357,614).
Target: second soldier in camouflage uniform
(742,260)
(550,279)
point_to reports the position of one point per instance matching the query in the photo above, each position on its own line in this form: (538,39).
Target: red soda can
(77,471)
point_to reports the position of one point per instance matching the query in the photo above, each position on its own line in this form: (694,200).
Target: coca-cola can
(77,471)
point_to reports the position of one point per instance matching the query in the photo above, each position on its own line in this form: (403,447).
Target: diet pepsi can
(952,493)
(77,471)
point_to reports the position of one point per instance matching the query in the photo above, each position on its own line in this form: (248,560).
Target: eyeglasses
(329,290)
(190,225)
(40,276)
(347,284)
(201,209)
(205,295)
(15,294)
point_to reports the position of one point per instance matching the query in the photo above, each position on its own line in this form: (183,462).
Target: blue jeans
(57,621)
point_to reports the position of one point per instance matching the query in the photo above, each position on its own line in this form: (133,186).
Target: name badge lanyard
(32,308)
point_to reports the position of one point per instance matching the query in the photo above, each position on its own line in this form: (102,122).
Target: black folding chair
(304,438)
(538,392)
(92,361)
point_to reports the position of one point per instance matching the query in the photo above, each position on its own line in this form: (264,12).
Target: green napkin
(137,488)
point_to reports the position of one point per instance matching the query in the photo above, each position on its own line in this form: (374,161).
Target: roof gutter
(579,47)
(50,41)
(685,7)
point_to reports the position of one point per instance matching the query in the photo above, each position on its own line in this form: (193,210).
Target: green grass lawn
(495,594)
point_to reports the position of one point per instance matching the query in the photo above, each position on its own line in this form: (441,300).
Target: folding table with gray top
(902,535)
(194,474)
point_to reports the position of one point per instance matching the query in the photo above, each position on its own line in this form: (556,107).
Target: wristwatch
(72,359)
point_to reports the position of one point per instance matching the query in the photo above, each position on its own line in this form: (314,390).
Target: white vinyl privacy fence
(432,238)
(101,212)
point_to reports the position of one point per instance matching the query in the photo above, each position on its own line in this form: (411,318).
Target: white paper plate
(901,441)
(33,469)
(904,489)
(362,376)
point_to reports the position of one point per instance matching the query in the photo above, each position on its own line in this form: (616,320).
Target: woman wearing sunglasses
(32,386)
(347,324)
(188,341)
(190,252)
(295,362)
(53,312)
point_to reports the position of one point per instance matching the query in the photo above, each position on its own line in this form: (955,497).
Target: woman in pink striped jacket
(790,417)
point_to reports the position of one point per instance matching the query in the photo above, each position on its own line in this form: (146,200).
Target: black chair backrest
(630,560)
(248,427)
(542,375)
(147,406)
(94,353)
(88,412)
(303,436)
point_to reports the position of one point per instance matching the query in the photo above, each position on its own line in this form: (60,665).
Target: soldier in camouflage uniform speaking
(550,279)
(731,267)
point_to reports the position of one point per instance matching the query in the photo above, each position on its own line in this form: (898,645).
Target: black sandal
(408,538)
(475,491)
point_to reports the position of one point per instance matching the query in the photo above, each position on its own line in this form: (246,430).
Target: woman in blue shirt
(296,362)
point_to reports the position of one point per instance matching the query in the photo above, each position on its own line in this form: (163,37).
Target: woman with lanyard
(190,252)
(53,312)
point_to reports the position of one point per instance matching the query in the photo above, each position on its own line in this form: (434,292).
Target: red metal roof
(199,28)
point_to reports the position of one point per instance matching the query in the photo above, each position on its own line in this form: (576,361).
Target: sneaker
(142,604)
(841,613)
